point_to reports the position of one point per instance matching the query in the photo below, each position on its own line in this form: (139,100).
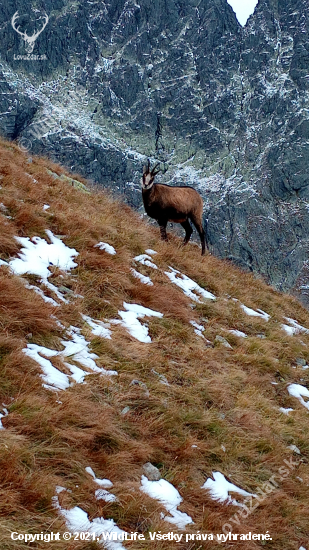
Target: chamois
(178,204)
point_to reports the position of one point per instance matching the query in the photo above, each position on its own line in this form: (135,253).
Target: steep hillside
(224,108)
(118,350)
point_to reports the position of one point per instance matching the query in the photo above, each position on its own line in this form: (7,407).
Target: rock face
(224,108)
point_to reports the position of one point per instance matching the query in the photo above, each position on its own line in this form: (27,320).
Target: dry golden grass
(217,398)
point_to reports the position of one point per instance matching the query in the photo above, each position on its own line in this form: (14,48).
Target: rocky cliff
(224,108)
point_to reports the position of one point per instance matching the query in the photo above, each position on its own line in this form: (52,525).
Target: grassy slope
(216,396)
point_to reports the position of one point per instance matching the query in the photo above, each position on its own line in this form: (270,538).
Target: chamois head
(149,175)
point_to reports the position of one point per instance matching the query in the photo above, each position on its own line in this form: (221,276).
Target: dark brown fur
(178,204)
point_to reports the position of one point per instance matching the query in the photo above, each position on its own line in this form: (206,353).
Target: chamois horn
(153,171)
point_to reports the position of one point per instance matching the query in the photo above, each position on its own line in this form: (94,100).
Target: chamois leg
(201,232)
(188,229)
(202,237)
(163,233)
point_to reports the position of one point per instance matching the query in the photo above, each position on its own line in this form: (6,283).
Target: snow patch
(40,292)
(238,333)
(188,286)
(145,259)
(198,329)
(98,327)
(52,376)
(102,494)
(4,413)
(294,449)
(37,255)
(106,483)
(77,521)
(296,328)
(298,391)
(145,280)
(285,411)
(253,313)
(77,374)
(107,247)
(168,495)
(54,289)
(78,349)
(130,320)
(219,489)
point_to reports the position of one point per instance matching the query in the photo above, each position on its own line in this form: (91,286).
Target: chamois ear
(146,169)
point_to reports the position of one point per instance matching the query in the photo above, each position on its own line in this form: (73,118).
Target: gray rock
(66,290)
(300,362)
(208,343)
(220,340)
(151,472)
(141,385)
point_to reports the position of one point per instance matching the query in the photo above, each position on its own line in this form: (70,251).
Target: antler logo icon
(30,40)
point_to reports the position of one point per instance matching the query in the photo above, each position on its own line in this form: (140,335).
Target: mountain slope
(224,108)
(199,401)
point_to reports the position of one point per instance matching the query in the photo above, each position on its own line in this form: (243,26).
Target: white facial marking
(146,181)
